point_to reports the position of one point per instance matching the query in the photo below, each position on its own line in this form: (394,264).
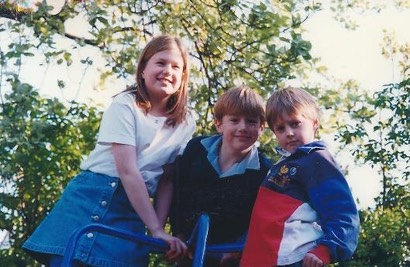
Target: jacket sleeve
(331,197)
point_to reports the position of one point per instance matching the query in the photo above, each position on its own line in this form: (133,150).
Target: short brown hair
(242,101)
(291,100)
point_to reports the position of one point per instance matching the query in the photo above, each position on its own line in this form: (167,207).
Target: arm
(331,197)
(131,178)
(164,194)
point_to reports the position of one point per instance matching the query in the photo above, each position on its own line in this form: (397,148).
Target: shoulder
(189,122)
(194,147)
(195,142)
(321,165)
(124,97)
(322,157)
(316,151)
(265,162)
(193,150)
(123,102)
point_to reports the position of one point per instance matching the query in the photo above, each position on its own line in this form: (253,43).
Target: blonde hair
(242,101)
(177,103)
(291,100)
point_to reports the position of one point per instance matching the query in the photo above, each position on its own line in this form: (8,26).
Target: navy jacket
(228,201)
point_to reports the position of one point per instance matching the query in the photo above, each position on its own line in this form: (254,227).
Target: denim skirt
(91,198)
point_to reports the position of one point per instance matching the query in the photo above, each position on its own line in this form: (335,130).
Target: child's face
(239,133)
(294,130)
(163,74)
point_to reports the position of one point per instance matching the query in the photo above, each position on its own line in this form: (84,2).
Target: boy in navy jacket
(220,174)
(304,214)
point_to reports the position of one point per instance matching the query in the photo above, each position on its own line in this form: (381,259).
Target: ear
(262,127)
(218,125)
(316,124)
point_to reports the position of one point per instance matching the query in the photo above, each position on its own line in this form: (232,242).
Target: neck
(228,157)
(158,110)
(159,107)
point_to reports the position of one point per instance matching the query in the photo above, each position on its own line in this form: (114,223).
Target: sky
(357,55)
(346,54)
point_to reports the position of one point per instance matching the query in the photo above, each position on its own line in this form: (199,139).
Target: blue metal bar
(227,247)
(157,245)
(201,232)
(197,241)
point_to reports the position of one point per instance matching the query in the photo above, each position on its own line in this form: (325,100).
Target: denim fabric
(57,261)
(91,198)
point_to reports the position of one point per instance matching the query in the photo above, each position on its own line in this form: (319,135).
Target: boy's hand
(311,260)
(230,259)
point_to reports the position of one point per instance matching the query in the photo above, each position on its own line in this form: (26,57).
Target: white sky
(357,54)
(347,55)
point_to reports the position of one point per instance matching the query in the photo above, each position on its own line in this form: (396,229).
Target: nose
(242,125)
(289,131)
(167,69)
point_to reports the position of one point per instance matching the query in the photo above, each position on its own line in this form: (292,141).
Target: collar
(305,149)
(212,145)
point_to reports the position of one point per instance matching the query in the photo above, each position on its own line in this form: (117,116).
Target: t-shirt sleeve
(118,124)
(190,129)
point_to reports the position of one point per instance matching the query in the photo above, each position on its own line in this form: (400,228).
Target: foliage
(382,129)
(378,134)
(379,242)
(230,42)
(259,43)
(42,142)
(382,132)
(346,12)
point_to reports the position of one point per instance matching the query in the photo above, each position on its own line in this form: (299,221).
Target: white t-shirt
(157,144)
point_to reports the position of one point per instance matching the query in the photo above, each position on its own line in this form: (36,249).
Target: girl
(144,128)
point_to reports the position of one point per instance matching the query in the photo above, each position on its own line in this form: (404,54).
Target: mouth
(243,137)
(293,143)
(165,81)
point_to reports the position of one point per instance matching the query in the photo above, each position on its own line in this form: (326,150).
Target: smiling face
(162,74)
(294,130)
(239,133)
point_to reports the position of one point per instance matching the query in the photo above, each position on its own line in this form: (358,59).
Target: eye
(232,119)
(279,129)
(295,124)
(176,67)
(252,121)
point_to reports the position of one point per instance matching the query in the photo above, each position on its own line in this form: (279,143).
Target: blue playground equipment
(197,241)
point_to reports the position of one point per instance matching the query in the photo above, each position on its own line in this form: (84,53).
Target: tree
(378,134)
(230,42)
(383,138)
(42,144)
(259,43)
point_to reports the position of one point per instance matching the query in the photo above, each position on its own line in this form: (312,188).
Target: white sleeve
(118,124)
(190,129)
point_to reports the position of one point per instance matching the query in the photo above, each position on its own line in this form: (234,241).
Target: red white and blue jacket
(303,205)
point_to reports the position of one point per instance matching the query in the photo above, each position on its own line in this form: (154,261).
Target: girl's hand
(177,248)
(311,260)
